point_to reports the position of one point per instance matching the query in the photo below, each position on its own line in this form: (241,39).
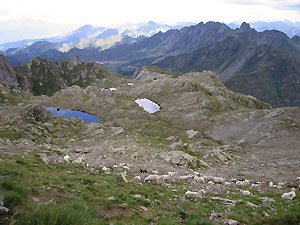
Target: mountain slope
(7,73)
(264,71)
(123,58)
(44,77)
(271,75)
(171,42)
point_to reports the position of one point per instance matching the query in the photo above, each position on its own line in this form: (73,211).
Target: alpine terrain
(171,147)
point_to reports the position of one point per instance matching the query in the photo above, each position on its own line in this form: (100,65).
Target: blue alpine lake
(87,118)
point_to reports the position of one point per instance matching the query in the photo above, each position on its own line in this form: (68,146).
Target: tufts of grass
(54,214)
(284,219)
(198,219)
(14,199)
(11,135)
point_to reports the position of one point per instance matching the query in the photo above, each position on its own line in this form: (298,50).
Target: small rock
(45,158)
(137,196)
(171,138)
(3,209)
(241,142)
(266,214)
(66,158)
(124,204)
(267,200)
(126,167)
(245,193)
(77,161)
(35,199)
(48,202)
(191,133)
(233,222)
(111,198)
(122,177)
(252,205)
(137,178)
(49,127)
(105,169)
(144,208)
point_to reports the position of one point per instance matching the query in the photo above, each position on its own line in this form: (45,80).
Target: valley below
(247,152)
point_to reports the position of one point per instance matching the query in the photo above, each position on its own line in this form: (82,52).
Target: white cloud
(118,12)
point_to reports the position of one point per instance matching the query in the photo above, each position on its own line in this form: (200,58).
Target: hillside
(44,77)
(66,170)
(266,72)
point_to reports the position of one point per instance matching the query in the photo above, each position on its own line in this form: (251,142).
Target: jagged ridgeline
(45,77)
(262,64)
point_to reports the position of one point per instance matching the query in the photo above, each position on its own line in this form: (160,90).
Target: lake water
(87,118)
(148,105)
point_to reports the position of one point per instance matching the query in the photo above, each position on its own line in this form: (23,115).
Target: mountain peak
(245,27)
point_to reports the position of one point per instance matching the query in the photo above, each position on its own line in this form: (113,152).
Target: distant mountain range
(262,64)
(93,32)
(289,28)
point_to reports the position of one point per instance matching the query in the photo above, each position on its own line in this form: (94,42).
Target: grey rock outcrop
(7,73)
(177,157)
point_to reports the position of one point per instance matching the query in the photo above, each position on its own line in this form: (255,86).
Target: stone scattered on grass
(144,208)
(233,222)
(252,205)
(191,133)
(3,209)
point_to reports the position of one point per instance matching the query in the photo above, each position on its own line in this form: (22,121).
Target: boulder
(177,157)
(191,133)
(233,222)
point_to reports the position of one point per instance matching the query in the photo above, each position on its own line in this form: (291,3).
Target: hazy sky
(114,12)
(20,19)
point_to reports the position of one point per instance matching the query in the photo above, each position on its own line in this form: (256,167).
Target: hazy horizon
(34,19)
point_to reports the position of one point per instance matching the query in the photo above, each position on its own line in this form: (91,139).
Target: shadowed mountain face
(126,59)
(264,71)
(44,77)
(7,73)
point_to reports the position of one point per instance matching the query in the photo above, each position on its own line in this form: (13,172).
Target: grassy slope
(74,191)
(73,188)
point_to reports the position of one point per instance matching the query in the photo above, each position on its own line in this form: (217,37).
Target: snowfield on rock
(148,105)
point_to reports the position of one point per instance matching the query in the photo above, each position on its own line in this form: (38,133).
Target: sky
(60,16)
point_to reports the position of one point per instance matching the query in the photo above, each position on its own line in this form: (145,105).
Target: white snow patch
(130,84)
(149,106)
(113,89)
